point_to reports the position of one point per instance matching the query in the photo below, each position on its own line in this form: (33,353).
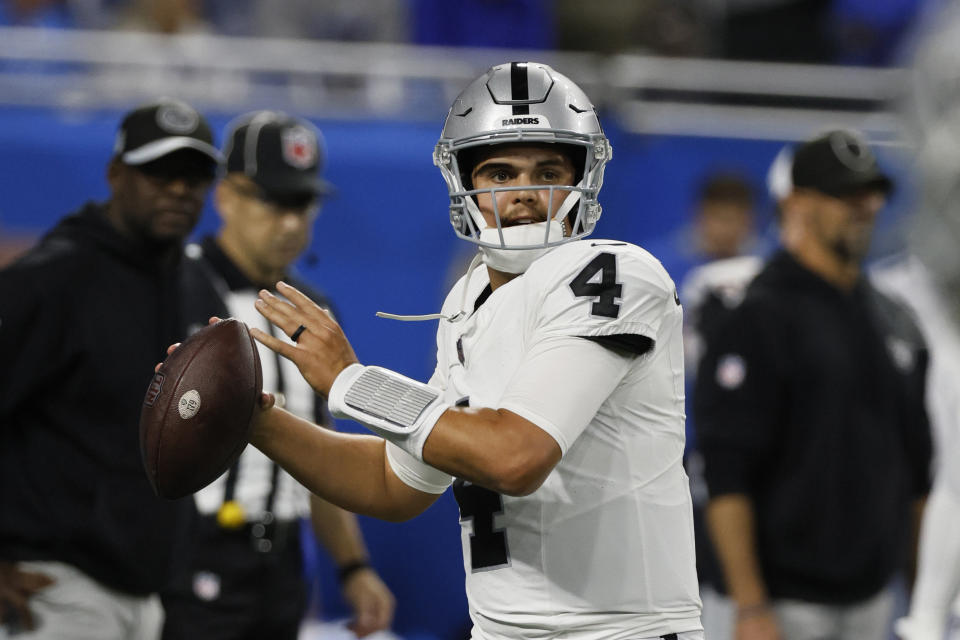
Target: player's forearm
(496,449)
(345,469)
(338,531)
(730,519)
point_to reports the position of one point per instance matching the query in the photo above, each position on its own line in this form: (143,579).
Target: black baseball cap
(155,130)
(283,155)
(838,163)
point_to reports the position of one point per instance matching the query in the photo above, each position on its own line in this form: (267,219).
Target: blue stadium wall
(383,243)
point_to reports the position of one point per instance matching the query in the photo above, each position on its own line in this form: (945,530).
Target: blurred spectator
(725,217)
(722,226)
(709,293)
(724,239)
(810,417)
(245,576)
(85,544)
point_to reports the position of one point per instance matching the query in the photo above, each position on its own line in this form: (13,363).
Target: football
(196,416)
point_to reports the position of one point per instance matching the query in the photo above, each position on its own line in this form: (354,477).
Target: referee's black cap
(838,163)
(282,154)
(158,129)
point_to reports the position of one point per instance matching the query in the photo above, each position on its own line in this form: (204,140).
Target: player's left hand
(321,351)
(371,602)
(267,400)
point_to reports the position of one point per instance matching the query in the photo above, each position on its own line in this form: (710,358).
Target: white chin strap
(524,235)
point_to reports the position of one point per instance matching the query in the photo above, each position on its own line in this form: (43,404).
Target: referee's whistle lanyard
(231,514)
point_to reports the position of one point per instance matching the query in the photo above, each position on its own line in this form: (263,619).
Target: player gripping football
(556,408)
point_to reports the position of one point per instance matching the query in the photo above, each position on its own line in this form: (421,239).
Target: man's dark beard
(841,250)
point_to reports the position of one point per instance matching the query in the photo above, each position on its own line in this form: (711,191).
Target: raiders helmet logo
(299,147)
(851,151)
(177,117)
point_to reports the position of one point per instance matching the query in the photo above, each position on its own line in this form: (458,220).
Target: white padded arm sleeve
(398,409)
(415,473)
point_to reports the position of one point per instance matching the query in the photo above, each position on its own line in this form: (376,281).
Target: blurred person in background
(724,231)
(927,278)
(723,225)
(245,577)
(810,417)
(85,544)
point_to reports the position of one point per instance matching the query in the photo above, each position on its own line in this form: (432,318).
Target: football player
(556,408)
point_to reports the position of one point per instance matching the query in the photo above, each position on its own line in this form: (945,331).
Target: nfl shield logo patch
(299,147)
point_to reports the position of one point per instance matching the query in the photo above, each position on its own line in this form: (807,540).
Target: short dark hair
(727,187)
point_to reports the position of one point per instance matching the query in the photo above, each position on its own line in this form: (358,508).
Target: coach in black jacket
(810,416)
(84,316)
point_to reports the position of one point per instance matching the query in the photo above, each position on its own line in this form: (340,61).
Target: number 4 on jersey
(488,545)
(605,288)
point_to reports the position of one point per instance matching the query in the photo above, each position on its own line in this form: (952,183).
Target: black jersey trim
(624,342)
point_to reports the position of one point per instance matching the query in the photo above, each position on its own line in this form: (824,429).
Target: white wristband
(393,406)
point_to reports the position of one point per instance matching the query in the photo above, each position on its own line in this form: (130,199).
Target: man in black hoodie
(810,416)
(84,543)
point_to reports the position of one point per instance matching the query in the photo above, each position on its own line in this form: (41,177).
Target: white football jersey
(604,548)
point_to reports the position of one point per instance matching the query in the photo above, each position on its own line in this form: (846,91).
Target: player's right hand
(758,626)
(16,588)
(321,351)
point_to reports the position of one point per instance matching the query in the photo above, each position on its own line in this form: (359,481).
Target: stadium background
(383,242)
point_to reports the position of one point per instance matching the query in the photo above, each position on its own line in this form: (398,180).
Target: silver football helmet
(522,102)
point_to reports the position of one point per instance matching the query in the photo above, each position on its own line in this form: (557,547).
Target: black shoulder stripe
(519,90)
(625,342)
(487,291)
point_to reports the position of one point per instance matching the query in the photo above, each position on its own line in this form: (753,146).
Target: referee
(245,578)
